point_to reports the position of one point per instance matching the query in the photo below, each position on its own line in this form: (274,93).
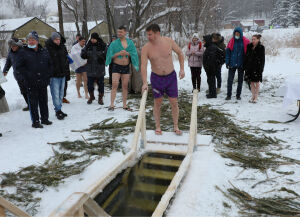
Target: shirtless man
(163,77)
(120,53)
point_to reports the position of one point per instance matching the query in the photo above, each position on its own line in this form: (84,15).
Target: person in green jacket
(121,53)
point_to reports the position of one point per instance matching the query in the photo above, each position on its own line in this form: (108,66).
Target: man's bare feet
(79,96)
(158,132)
(87,96)
(178,132)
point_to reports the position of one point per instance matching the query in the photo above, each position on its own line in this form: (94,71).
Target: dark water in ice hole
(137,191)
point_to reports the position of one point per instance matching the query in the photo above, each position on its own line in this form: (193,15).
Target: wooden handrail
(140,123)
(8,206)
(165,200)
(78,204)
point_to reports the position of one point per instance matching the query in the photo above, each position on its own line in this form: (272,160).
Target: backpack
(190,44)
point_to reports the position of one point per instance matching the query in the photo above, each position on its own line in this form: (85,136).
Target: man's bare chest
(159,52)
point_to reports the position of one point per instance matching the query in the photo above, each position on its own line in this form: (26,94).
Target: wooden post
(2,212)
(92,209)
(143,131)
(79,213)
(11,208)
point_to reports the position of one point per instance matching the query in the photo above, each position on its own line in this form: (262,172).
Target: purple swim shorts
(164,84)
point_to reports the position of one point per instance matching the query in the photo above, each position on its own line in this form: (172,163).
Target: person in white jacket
(79,66)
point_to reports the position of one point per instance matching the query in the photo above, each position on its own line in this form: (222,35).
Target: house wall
(44,31)
(102,30)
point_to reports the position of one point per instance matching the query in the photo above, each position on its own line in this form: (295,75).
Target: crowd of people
(248,59)
(36,67)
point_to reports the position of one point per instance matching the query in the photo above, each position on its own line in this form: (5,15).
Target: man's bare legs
(125,79)
(84,78)
(156,113)
(115,84)
(78,84)
(175,113)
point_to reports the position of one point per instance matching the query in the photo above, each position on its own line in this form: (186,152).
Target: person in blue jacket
(35,67)
(235,54)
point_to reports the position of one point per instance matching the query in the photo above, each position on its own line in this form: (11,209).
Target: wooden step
(149,188)
(145,205)
(157,174)
(162,161)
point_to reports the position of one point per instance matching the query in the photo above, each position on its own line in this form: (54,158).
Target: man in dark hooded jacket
(218,39)
(94,52)
(15,46)
(235,53)
(35,67)
(211,62)
(59,56)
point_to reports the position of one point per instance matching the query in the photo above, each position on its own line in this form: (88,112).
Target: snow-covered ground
(22,145)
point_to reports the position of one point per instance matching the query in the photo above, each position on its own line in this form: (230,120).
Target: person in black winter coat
(59,56)
(15,46)
(219,41)
(211,62)
(94,52)
(254,64)
(35,67)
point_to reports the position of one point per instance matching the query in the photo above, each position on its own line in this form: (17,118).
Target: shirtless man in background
(120,68)
(163,77)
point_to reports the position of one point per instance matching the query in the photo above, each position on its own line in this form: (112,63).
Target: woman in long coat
(254,65)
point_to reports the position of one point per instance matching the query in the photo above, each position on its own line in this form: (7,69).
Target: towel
(75,56)
(116,46)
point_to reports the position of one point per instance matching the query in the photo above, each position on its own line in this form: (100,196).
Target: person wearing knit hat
(195,35)
(195,59)
(94,53)
(35,67)
(15,46)
(34,35)
(55,35)
(59,56)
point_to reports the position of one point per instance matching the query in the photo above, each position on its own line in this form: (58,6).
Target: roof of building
(71,27)
(13,24)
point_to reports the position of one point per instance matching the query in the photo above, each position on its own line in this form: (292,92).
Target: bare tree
(19,4)
(60,17)
(85,31)
(73,6)
(143,15)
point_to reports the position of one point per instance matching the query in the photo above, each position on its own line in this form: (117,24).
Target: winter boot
(100,99)
(92,97)
(37,125)
(47,122)
(59,115)
(26,109)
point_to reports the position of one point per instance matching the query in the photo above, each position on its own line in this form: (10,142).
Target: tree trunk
(108,17)
(85,31)
(60,17)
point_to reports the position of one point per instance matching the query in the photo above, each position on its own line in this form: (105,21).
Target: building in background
(20,27)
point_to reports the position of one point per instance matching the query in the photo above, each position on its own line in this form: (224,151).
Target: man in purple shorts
(163,77)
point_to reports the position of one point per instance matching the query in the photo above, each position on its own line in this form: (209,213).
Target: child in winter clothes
(195,56)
